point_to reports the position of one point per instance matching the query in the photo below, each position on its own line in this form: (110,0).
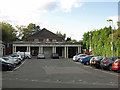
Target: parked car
(16,60)
(25,55)
(28,55)
(17,56)
(41,56)
(20,53)
(78,56)
(6,65)
(55,55)
(106,63)
(9,60)
(86,60)
(95,61)
(116,65)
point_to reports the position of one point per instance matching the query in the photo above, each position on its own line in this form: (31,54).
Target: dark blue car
(86,60)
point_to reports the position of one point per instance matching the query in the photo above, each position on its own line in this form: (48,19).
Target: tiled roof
(44,33)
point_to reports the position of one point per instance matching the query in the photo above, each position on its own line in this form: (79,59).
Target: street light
(90,43)
(110,20)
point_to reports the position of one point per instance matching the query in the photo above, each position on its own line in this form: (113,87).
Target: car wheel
(118,71)
(110,68)
(87,63)
(14,66)
(102,68)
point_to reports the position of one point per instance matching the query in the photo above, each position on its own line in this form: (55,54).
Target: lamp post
(90,43)
(110,20)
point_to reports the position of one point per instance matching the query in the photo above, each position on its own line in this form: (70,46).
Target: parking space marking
(18,66)
(98,69)
(108,72)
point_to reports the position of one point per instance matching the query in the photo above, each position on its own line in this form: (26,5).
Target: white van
(27,55)
(24,54)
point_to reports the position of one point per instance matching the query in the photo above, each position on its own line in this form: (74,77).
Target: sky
(73,17)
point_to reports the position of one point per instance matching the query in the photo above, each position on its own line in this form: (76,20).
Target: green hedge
(101,41)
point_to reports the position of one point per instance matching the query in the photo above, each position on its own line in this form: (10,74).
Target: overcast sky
(73,17)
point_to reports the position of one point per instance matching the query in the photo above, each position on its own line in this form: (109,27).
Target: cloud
(67,5)
(63,5)
(51,6)
(23,12)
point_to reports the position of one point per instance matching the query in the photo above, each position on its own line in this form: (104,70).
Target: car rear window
(116,61)
(82,55)
(6,59)
(41,54)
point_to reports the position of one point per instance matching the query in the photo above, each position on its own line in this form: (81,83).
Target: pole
(112,38)
(112,35)
(90,43)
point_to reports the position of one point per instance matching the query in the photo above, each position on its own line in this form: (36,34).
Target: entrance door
(47,52)
(34,51)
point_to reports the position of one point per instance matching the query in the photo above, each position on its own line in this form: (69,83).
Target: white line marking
(18,66)
(107,72)
(98,69)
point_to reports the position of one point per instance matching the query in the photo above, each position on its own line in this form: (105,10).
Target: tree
(25,32)
(9,33)
(118,24)
(101,41)
(68,39)
(73,40)
(60,34)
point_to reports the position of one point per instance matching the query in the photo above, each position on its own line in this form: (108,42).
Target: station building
(2,48)
(45,41)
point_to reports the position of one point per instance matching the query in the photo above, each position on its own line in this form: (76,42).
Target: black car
(106,63)
(55,56)
(4,66)
(96,62)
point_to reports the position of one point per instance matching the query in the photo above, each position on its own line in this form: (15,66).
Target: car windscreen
(104,59)
(82,55)
(116,61)
(41,54)
(6,59)
(1,60)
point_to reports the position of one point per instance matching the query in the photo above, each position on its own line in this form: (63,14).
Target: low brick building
(2,49)
(47,42)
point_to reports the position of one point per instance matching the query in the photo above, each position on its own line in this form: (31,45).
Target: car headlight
(9,64)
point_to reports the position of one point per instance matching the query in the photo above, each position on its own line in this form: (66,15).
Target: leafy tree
(118,23)
(101,41)
(9,33)
(68,39)
(60,34)
(73,40)
(25,32)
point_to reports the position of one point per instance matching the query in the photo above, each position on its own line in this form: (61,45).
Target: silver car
(17,56)
(41,56)
(17,61)
(78,56)
(9,60)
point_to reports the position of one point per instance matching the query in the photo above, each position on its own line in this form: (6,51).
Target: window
(54,40)
(46,40)
(36,40)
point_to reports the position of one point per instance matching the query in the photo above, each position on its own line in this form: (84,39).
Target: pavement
(58,73)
